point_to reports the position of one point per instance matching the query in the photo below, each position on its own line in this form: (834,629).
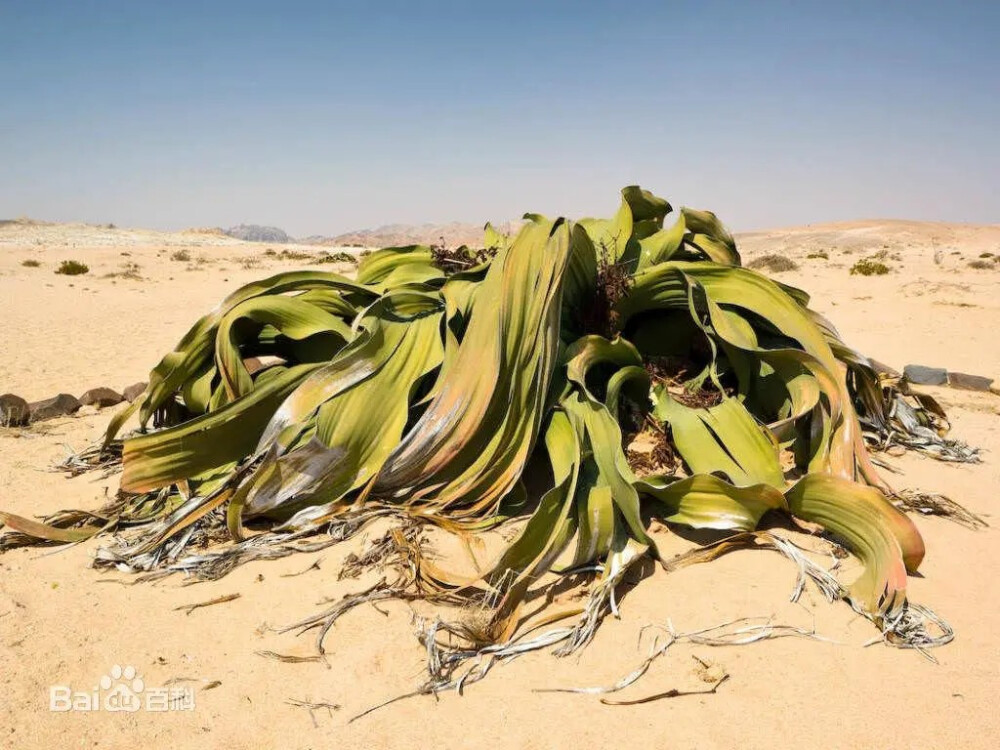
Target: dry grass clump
(128,271)
(983,265)
(338,257)
(72,268)
(30,263)
(182,256)
(869,267)
(295,255)
(773,263)
(820,254)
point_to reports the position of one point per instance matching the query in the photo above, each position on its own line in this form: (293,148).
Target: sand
(63,623)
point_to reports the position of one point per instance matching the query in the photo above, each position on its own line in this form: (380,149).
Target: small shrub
(72,268)
(338,257)
(249,263)
(821,254)
(131,271)
(295,255)
(128,271)
(776,263)
(985,255)
(180,255)
(30,263)
(982,265)
(869,267)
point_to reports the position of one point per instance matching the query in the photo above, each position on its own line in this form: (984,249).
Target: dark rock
(101,397)
(134,391)
(14,411)
(969,382)
(60,406)
(921,375)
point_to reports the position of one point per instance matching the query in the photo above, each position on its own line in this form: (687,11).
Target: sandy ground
(63,623)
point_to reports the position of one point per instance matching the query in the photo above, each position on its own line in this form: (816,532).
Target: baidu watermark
(121,689)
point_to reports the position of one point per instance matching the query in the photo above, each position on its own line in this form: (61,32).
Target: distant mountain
(258,233)
(391,235)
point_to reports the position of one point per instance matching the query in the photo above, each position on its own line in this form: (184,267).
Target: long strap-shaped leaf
(230,434)
(887,542)
(470,445)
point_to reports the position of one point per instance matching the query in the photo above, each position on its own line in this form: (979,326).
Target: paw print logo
(122,688)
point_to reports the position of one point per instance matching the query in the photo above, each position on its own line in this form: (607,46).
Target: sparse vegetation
(129,271)
(30,263)
(295,255)
(773,263)
(869,267)
(820,254)
(982,265)
(182,256)
(986,255)
(72,268)
(338,257)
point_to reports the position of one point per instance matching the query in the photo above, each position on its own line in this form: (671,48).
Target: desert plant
(775,263)
(129,270)
(982,265)
(869,267)
(296,255)
(819,254)
(338,257)
(182,256)
(515,384)
(30,263)
(72,268)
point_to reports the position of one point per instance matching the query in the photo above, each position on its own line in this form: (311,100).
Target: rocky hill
(450,235)
(258,233)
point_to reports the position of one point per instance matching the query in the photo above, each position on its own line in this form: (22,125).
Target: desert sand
(63,623)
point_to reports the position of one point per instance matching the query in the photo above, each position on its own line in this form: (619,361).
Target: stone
(60,406)
(969,382)
(14,411)
(101,397)
(134,391)
(921,375)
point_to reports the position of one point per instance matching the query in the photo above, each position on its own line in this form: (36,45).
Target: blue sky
(321,117)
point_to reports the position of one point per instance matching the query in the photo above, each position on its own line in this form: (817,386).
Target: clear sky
(321,117)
